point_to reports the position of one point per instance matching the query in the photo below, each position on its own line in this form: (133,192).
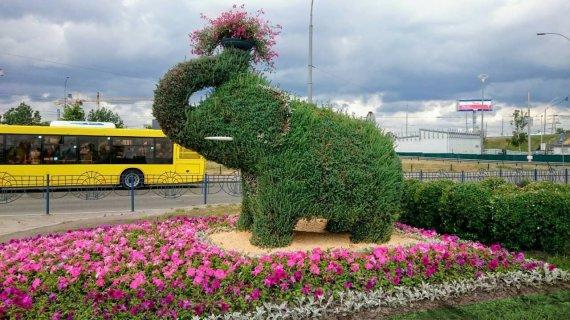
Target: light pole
(483,77)
(310,65)
(64,96)
(558,34)
(528,119)
(549,105)
(65,92)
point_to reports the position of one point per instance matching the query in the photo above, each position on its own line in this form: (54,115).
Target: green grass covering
(502,143)
(554,305)
(561,261)
(297,160)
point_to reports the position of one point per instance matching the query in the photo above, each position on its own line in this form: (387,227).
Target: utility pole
(310,65)
(553,128)
(502,123)
(483,77)
(98,100)
(529,156)
(406,119)
(65,92)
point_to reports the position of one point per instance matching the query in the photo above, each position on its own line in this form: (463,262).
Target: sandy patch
(308,235)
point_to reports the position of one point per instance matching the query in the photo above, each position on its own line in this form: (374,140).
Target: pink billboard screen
(475,105)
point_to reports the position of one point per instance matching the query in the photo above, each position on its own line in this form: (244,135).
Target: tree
(22,115)
(74,112)
(105,115)
(519,122)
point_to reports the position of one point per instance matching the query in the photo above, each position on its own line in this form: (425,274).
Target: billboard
(475,105)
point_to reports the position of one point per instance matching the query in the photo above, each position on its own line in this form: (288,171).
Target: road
(109,201)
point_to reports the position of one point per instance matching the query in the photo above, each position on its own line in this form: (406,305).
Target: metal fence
(537,158)
(95,186)
(169,185)
(516,176)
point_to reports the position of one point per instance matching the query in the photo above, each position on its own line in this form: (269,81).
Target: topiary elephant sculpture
(297,160)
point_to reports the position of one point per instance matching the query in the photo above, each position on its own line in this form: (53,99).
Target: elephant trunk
(179,83)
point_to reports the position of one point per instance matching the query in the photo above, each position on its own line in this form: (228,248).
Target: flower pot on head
(237,43)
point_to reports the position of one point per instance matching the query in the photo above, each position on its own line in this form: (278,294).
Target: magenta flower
(163,269)
(314,269)
(237,23)
(138,281)
(255,294)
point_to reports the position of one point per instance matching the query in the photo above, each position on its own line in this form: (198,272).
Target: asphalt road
(108,201)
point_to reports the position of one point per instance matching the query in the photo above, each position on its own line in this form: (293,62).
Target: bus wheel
(136,176)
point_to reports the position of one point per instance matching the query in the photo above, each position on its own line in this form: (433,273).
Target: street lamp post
(483,77)
(310,65)
(548,106)
(64,96)
(65,92)
(529,154)
(558,34)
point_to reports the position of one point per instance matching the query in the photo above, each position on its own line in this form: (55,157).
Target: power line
(90,68)
(340,78)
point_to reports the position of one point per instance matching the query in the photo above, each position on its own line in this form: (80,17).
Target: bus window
(2,153)
(103,150)
(131,150)
(60,149)
(93,149)
(163,151)
(20,149)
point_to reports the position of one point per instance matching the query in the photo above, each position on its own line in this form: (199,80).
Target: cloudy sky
(370,55)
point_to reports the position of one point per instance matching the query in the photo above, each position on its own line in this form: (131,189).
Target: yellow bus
(93,150)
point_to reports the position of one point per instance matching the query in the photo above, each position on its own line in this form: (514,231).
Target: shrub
(546,186)
(409,205)
(494,183)
(465,211)
(536,216)
(532,219)
(427,199)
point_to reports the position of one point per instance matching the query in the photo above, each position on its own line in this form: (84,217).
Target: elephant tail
(179,83)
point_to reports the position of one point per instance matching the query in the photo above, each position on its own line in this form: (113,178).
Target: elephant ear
(277,137)
(179,83)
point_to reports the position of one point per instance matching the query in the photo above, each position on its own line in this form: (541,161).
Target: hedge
(536,216)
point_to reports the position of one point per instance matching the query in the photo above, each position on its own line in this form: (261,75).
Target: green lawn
(554,305)
(502,143)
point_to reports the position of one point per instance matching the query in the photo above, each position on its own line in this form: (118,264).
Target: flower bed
(238,24)
(164,269)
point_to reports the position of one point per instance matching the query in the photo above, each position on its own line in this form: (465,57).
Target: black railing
(516,176)
(94,186)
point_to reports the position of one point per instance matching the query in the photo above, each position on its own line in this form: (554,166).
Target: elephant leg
(249,187)
(273,228)
(275,215)
(374,228)
(336,226)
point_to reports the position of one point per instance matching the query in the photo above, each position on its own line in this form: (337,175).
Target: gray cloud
(371,55)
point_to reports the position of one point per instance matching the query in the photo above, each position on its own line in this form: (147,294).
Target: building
(440,141)
(558,149)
